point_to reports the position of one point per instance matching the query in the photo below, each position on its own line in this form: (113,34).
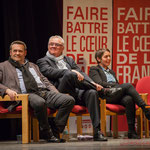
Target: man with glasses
(67,77)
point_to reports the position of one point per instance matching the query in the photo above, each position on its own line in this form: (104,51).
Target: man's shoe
(110,92)
(57,135)
(133,135)
(54,128)
(55,131)
(49,137)
(53,139)
(99,137)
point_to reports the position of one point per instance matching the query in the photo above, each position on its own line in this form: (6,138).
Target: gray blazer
(9,78)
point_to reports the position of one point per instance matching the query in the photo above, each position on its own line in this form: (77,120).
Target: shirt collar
(107,70)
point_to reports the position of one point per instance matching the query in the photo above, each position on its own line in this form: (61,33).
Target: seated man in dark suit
(64,73)
(18,75)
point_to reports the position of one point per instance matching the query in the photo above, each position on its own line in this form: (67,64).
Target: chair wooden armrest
(25,115)
(146,121)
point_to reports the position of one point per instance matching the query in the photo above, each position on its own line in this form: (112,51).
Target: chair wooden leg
(140,125)
(68,126)
(25,121)
(103,118)
(103,126)
(146,122)
(79,125)
(146,127)
(141,129)
(115,126)
(35,129)
(30,128)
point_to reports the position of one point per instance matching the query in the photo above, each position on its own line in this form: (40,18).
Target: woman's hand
(98,87)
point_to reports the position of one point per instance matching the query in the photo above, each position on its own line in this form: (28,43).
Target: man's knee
(69,76)
(38,105)
(93,92)
(128,101)
(92,95)
(67,101)
(70,100)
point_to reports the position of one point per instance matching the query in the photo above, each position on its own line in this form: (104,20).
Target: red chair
(77,111)
(115,110)
(20,112)
(107,109)
(143,86)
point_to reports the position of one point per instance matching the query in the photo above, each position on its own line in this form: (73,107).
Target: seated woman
(128,97)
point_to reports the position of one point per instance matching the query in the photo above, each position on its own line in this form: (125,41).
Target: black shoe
(147,113)
(49,137)
(53,139)
(99,137)
(133,135)
(110,92)
(57,135)
(55,131)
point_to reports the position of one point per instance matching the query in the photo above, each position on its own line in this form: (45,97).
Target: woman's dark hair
(99,53)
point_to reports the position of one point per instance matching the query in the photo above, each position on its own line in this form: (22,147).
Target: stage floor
(111,144)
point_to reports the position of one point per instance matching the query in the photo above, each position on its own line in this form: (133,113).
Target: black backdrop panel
(31,21)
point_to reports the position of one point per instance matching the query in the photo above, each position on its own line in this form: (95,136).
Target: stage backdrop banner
(87,26)
(131,40)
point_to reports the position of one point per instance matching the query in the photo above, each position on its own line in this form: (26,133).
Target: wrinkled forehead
(17,46)
(55,40)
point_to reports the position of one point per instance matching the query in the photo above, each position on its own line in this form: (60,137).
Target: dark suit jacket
(9,78)
(49,69)
(97,75)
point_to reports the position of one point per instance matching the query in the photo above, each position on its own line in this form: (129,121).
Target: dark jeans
(43,99)
(128,98)
(83,94)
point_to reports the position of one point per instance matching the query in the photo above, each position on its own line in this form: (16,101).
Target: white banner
(87,26)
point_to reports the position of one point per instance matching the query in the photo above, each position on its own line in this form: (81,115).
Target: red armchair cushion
(115,108)
(4,110)
(77,109)
(19,109)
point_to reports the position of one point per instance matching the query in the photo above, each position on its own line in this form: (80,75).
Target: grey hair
(57,36)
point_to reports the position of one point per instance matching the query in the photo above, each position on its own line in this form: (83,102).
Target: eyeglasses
(55,44)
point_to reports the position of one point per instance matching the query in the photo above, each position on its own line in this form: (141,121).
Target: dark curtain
(32,21)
